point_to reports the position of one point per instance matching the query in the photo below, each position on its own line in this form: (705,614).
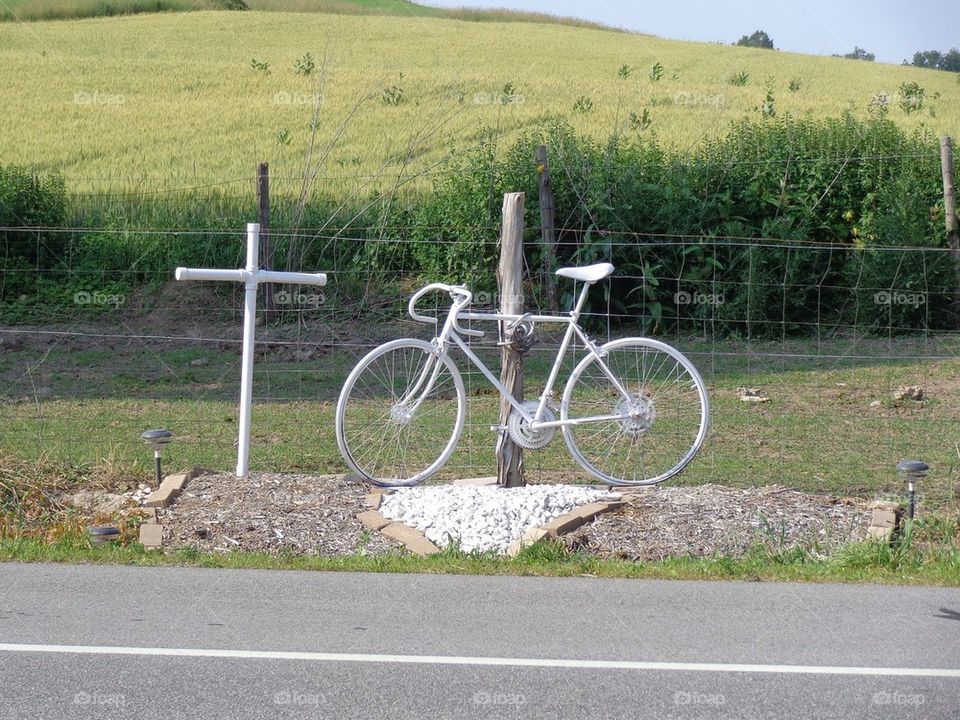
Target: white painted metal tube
(183,273)
(253,246)
(251,276)
(270,276)
(249,330)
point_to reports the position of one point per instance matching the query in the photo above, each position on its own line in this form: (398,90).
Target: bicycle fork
(403,411)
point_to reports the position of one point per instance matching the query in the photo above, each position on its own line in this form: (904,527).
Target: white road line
(486,661)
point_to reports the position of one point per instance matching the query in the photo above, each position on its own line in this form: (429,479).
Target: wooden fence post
(547,229)
(266,250)
(950,215)
(510,283)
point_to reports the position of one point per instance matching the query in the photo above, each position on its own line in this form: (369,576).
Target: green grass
(154,102)
(818,432)
(37,524)
(862,563)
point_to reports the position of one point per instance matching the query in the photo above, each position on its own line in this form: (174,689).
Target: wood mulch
(704,520)
(310,515)
(272,513)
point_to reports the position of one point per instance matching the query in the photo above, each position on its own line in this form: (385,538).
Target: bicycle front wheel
(640,412)
(400,413)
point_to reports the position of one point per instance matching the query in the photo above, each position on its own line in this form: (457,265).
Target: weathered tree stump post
(548,238)
(950,216)
(510,282)
(266,251)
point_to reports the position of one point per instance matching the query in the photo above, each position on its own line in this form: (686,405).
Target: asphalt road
(91,642)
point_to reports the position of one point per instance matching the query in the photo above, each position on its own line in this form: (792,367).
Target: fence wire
(825,364)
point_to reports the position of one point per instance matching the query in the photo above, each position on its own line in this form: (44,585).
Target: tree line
(930,59)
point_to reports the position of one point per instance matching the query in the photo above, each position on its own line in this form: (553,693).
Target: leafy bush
(454,234)
(32,200)
(583,105)
(305,65)
(822,195)
(912,97)
(900,291)
(393,94)
(739,79)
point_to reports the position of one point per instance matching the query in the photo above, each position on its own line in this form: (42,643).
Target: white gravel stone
(484,518)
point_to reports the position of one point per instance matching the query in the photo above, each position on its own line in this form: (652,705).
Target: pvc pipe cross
(251,276)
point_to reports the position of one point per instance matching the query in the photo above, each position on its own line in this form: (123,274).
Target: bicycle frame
(451,332)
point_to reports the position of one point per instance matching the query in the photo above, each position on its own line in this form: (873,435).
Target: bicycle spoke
(663,414)
(394,425)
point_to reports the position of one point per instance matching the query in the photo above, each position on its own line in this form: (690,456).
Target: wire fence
(821,380)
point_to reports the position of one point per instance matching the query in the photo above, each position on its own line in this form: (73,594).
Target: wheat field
(147,102)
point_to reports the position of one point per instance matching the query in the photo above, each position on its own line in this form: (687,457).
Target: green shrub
(911,288)
(28,199)
(814,194)
(454,234)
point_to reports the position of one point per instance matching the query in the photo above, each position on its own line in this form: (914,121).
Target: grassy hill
(31,10)
(147,102)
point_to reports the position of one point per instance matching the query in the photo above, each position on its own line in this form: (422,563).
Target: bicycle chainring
(523,435)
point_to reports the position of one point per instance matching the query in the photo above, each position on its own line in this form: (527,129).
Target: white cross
(251,276)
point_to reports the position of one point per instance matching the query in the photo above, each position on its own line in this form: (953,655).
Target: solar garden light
(157,439)
(912,472)
(103,534)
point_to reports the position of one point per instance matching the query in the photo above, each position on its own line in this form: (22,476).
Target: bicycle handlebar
(411,306)
(461,296)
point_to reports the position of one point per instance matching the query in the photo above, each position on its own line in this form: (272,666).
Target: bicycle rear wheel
(400,413)
(662,414)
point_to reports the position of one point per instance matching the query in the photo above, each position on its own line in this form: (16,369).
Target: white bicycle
(634,411)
